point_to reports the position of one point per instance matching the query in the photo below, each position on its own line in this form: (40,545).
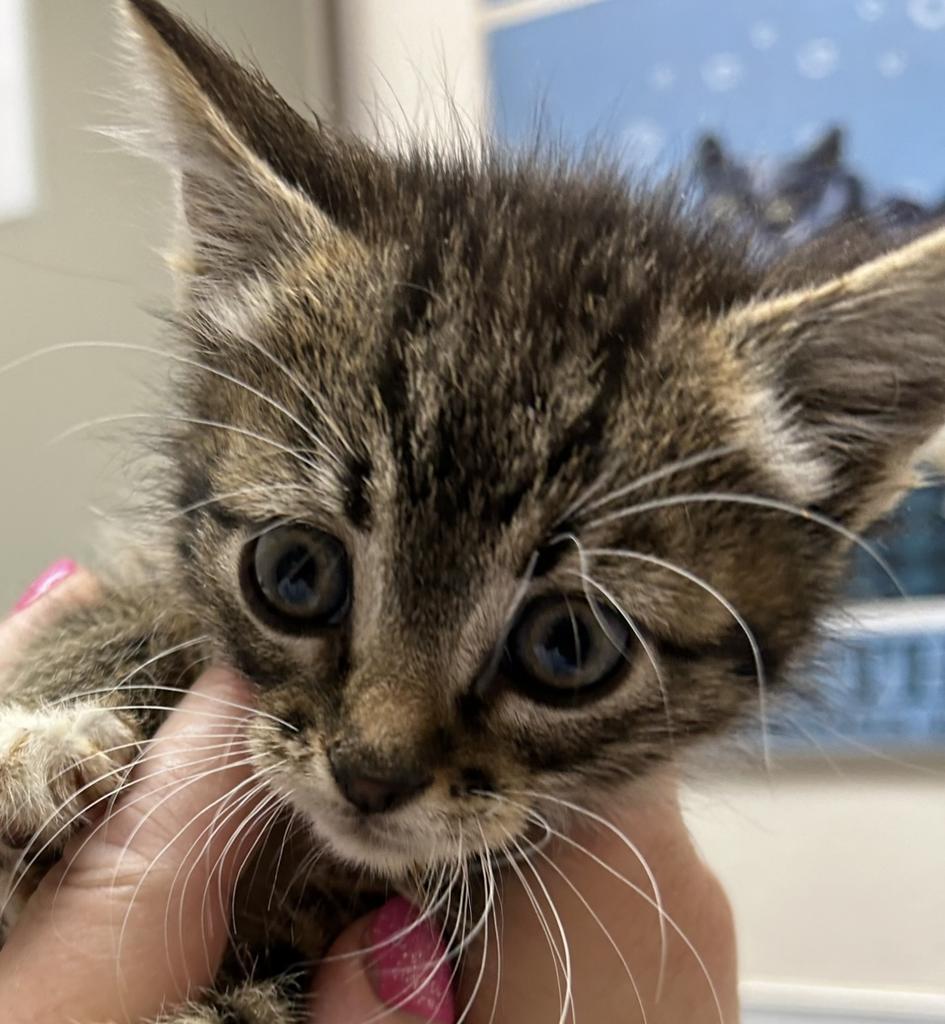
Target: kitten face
(464,467)
(461,479)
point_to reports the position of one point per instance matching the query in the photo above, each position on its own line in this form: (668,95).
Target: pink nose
(376,793)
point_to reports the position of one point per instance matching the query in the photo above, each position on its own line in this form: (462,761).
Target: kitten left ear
(860,362)
(254,175)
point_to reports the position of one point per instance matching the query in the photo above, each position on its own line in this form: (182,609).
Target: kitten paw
(55,765)
(263,1003)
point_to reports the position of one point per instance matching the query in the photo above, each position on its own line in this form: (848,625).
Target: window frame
(18,186)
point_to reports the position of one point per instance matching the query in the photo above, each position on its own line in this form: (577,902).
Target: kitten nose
(375,793)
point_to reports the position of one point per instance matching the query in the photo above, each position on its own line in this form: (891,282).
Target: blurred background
(783,115)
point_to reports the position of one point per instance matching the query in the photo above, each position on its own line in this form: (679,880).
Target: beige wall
(412,68)
(84,265)
(836,872)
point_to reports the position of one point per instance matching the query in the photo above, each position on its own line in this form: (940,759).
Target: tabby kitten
(503,481)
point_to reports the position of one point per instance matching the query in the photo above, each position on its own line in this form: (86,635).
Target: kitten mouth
(392,848)
(377,844)
(404,841)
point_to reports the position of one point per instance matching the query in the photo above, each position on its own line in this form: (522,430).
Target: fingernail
(409,970)
(49,580)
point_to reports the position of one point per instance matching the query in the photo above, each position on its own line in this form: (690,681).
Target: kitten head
(502,481)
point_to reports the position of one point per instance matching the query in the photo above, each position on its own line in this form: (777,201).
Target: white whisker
(567,1001)
(645,896)
(156,688)
(403,932)
(632,625)
(268,813)
(20,869)
(153,660)
(481,927)
(306,393)
(182,360)
(714,592)
(255,787)
(103,421)
(688,462)
(167,709)
(758,501)
(628,844)
(433,969)
(539,820)
(265,490)
(191,780)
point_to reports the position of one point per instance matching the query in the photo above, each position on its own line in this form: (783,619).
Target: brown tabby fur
(446,361)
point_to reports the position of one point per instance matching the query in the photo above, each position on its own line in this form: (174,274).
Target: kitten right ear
(255,177)
(860,364)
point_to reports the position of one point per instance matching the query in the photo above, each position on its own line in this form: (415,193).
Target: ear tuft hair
(254,176)
(861,359)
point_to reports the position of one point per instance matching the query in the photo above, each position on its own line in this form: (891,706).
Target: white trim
(412,69)
(17,170)
(806,1004)
(514,12)
(911,616)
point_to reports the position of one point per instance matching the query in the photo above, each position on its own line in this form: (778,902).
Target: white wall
(84,266)
(837,874)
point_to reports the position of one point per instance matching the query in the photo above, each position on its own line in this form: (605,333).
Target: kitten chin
(386,847)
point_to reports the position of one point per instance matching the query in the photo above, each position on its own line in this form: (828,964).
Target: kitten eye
(561,648)
(297,577)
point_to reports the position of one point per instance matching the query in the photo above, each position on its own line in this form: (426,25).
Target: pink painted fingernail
(49,580)
(410,970)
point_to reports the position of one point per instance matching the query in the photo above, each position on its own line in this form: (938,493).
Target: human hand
(99,940)
(93,943)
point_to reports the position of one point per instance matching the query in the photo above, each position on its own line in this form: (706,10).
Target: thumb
(391,965)
(135,913)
